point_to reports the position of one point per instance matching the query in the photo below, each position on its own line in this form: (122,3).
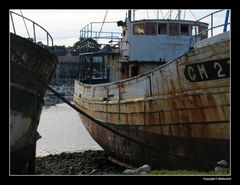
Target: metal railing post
(47,40)
(12,23)
(34,29)
(211,24)
(226,21)
(195,36)
(34,33)
(84,32)
(91,30)
(87,30)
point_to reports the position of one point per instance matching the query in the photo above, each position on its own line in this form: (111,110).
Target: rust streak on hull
(136,155)
(185,112)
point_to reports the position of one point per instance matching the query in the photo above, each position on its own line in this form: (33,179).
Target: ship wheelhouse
(141,46)
(148,43)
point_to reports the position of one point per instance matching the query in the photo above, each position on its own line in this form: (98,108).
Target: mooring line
(206,163)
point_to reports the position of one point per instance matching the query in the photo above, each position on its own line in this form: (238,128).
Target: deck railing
(49,42)
(89,31)
(197,34)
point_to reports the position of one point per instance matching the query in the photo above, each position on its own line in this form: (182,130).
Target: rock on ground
(142,170)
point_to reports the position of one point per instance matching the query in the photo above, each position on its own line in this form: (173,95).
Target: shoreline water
(65,146)
(61,130)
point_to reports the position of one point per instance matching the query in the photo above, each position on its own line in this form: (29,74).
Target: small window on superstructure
(162,28)
(138,29)
(151,28)
(184,29)
(173,29)
(134,70)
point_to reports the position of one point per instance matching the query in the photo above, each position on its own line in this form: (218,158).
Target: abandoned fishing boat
(165,89)
(31,68)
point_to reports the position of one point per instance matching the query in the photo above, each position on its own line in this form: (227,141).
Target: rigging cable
(192,14)
(184,15)
(102,24)
(161,13)
(170,14)
(166,15)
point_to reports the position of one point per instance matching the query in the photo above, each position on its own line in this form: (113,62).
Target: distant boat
(30,64)
(166,86)
(52,99)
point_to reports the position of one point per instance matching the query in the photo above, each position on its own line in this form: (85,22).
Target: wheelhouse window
(98,67)
(162,28)
(151,28)
(138,29)
(173,29)
(184,29)
(203,31)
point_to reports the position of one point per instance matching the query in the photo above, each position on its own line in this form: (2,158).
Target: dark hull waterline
(29,63)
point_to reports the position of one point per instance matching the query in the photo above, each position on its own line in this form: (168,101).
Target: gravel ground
(78,163)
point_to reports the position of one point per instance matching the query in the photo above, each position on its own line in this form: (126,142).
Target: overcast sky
(64,25)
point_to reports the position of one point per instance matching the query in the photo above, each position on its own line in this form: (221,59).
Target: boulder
(222,169)
(139,171)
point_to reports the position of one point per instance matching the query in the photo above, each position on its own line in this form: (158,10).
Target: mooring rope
(104,125)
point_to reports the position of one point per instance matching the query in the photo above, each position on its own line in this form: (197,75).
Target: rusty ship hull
(29,63)
(182,108)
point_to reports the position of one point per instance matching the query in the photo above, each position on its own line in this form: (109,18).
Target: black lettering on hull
(208,70)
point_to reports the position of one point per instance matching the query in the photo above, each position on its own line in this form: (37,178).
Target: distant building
(68,66)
